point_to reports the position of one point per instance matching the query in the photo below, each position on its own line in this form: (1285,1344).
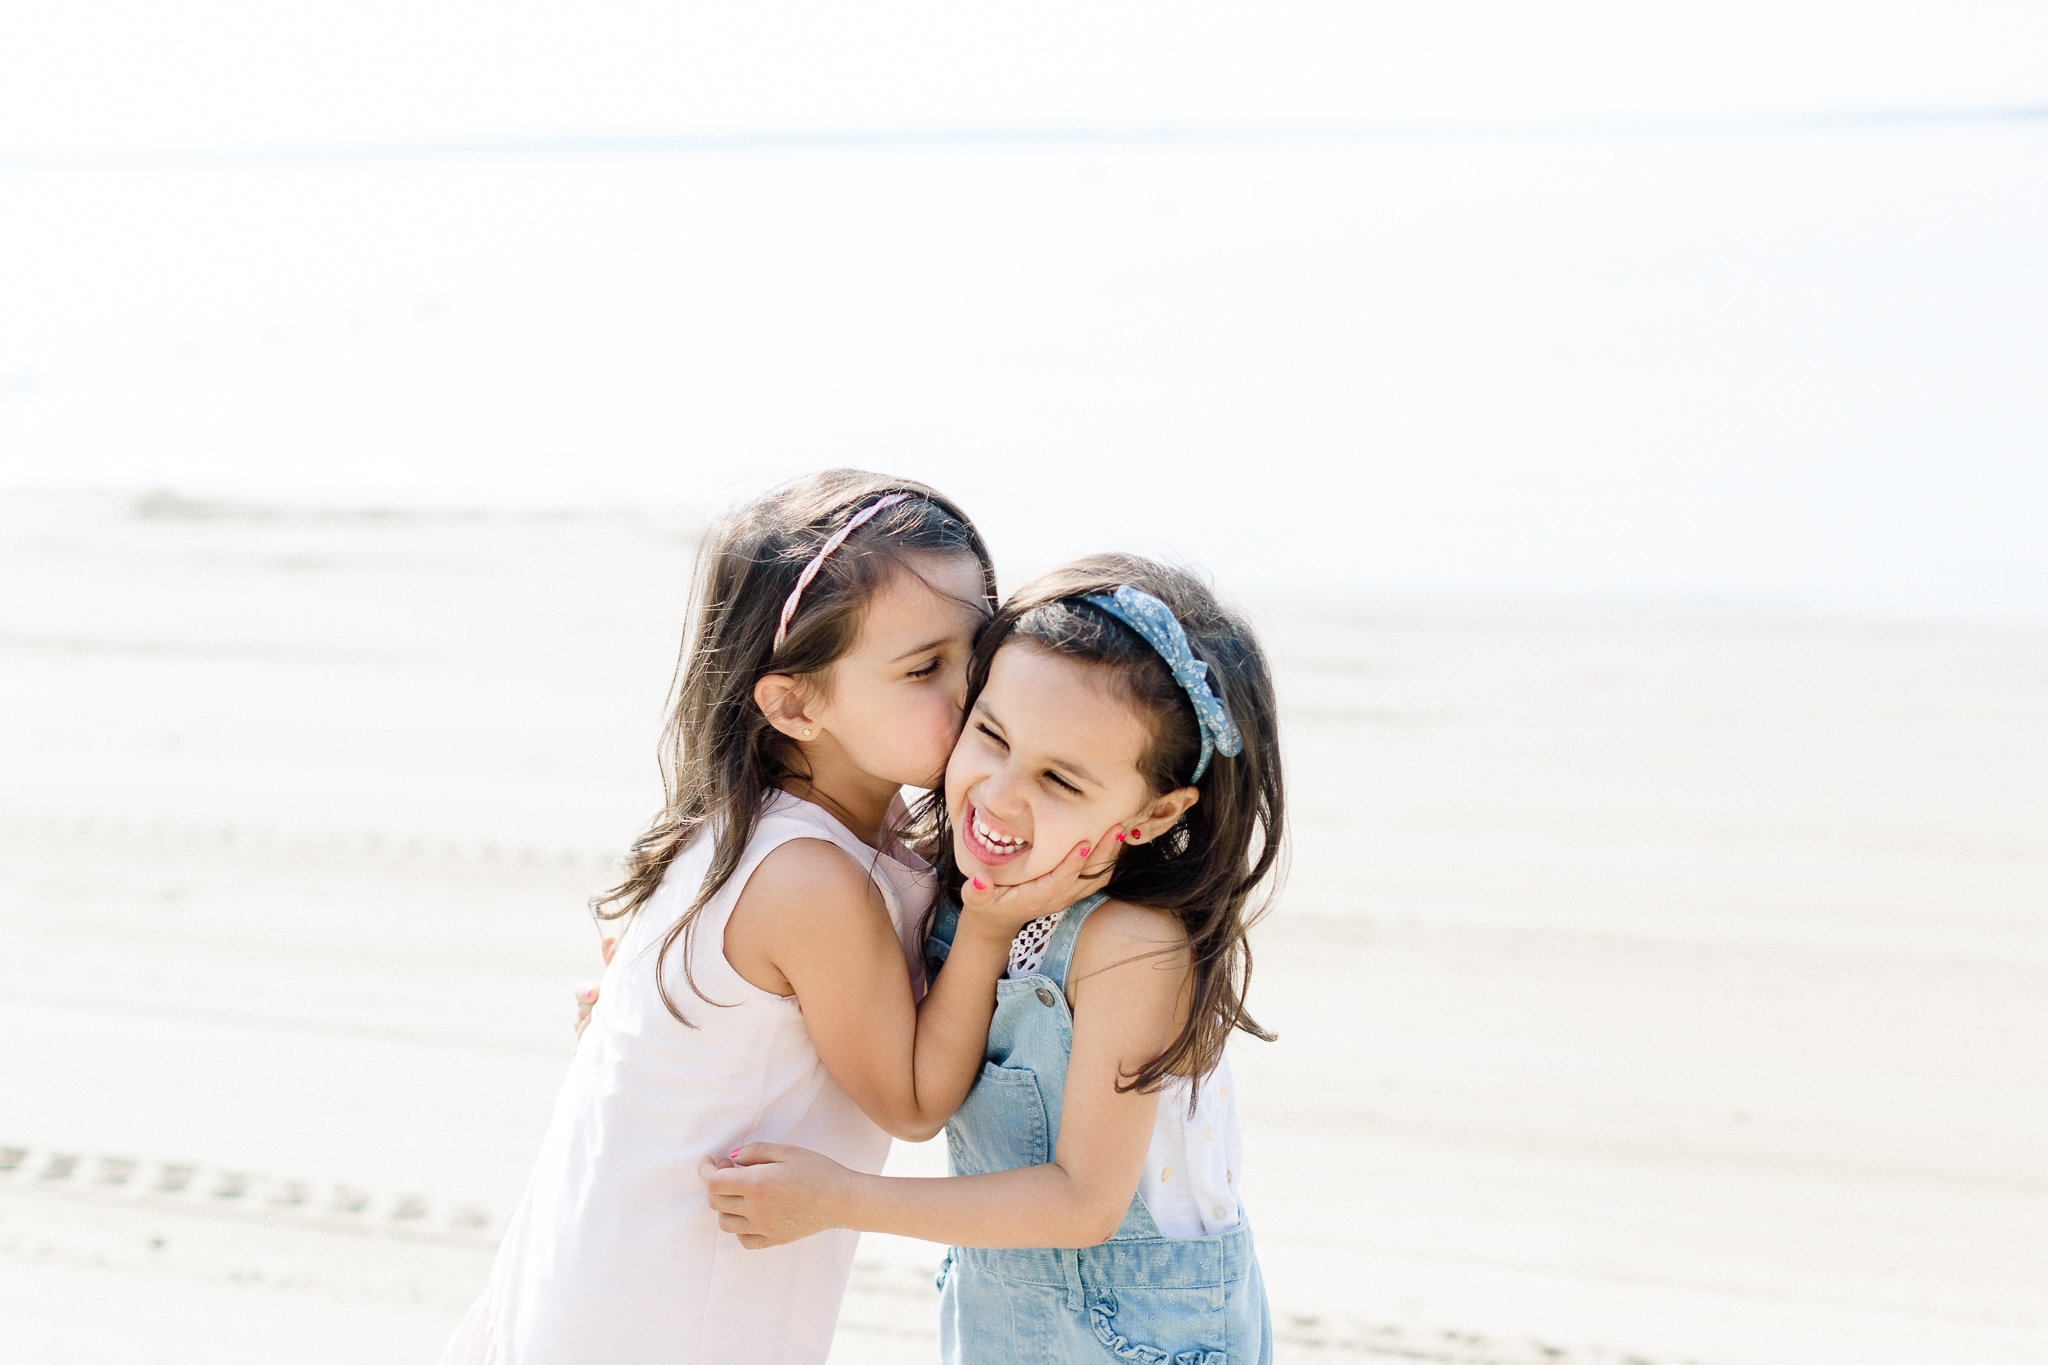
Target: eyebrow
(1075,770)
(925,648)
(1068,764)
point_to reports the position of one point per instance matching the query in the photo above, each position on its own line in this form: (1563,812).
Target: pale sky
(141,76)
(1649,329)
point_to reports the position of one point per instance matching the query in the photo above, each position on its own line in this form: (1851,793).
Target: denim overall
(1139,1296)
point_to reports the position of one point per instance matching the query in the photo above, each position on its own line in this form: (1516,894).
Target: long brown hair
(1218,868)
(720,756)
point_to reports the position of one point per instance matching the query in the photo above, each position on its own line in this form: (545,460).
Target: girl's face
(893,709)
(1049,759)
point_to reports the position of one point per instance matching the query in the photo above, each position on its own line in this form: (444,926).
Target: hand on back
(769,1194)
(586,994)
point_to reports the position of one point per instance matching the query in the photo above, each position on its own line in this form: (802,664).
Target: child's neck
(858,800)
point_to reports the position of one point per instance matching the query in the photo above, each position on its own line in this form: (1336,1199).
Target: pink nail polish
(1119,836)
(735,1154)
(1085,850)
(980,885)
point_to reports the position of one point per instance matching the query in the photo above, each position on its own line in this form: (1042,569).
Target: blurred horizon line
(196,504)
(666,144)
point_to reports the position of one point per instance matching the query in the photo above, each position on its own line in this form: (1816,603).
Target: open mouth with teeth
(989,844)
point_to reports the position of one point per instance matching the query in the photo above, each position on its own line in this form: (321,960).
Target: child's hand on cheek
(1006,909)
(770,1194)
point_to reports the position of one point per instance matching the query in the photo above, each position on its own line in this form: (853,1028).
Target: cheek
(1062,825)
(914,718)
(1054,834)
(961,774)
(904,735)
(938,722)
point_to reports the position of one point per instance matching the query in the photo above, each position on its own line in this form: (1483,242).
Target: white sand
(1654,983)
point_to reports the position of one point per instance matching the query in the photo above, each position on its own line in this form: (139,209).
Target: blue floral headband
(1156,625)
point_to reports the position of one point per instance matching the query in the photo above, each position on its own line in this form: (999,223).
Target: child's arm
(810,923)
(1128,987)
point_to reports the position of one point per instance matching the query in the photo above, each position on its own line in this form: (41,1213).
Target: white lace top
(1027,950)
(1190,1180)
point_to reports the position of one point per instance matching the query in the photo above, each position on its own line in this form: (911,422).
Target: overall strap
(1060,950)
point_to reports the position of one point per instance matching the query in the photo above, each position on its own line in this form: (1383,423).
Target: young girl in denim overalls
(1093,1214)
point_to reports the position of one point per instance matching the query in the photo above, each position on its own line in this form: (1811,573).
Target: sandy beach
(1655,983)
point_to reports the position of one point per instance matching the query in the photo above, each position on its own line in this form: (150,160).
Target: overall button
(1044,997)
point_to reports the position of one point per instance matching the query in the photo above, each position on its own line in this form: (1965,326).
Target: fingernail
(588,995)
(1119,836)
(980,885)
(735,1154)
(1085,850)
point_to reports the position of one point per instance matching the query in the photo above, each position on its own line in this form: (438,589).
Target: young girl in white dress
(766,984)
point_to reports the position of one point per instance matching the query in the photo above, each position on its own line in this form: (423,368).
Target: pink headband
(832,542)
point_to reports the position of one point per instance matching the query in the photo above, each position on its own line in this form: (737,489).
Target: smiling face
(1049,759)
(891,706)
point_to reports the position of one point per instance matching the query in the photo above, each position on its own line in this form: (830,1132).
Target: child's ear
(780,697)
(1165,813)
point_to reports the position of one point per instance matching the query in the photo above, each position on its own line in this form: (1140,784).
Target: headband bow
(1158,627)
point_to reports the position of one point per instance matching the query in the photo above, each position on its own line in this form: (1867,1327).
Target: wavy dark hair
(1219,867)
(720,757)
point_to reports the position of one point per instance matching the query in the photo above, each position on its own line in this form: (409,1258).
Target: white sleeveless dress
(613,1255)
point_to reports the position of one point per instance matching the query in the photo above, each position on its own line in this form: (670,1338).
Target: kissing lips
(990,844)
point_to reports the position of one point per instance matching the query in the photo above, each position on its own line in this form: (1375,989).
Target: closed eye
(983,727)
(927,670)
(1061,782)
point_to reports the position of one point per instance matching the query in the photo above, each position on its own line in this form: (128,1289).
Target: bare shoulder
(804,893)
(1121,934)
(1132,968)
(805,876)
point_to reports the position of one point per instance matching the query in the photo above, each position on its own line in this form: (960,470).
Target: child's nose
(998,796)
